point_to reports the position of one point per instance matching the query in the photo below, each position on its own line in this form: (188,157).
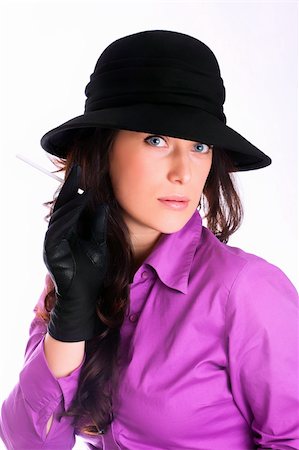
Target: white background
(48,51)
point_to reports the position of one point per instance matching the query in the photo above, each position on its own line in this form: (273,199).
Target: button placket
(133,317)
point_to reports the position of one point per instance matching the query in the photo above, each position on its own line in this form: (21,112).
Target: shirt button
(133,317)
(144,275)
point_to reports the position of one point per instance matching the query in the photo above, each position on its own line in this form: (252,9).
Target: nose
(179,170)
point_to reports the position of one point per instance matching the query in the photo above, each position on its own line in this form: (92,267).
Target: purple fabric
(209,358)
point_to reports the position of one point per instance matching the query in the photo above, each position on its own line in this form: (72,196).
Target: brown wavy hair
(91,407)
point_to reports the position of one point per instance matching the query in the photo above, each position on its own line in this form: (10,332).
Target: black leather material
(76,255)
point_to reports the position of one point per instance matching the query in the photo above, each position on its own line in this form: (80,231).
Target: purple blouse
(209,358)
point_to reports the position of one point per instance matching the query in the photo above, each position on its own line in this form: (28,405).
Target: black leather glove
(75,253)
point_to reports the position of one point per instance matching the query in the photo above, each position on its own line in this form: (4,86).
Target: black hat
(162,82)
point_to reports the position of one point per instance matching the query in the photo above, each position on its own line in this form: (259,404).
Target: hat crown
(157,67)
(162,46)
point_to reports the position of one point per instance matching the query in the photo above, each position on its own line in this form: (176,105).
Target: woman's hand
(76,255)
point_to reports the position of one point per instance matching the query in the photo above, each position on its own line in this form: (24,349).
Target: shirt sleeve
(38,395)
(262,339)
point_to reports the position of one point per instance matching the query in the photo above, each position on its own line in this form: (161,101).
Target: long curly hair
(91,407)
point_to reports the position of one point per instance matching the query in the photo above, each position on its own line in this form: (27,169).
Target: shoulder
(238,269)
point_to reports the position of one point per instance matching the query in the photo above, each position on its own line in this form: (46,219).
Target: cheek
(205,171)
(130,178)
(201,178)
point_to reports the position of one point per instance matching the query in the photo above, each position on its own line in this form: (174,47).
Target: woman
(152,332)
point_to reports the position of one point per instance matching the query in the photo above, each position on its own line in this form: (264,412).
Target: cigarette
(42,169)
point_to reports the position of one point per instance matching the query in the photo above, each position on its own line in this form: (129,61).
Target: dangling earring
(200,202)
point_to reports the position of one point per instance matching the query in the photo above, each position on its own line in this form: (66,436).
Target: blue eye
(154,138)
(204,147)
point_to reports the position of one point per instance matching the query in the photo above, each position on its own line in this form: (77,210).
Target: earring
(201,202)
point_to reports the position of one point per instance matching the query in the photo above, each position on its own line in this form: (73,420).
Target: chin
(174,224)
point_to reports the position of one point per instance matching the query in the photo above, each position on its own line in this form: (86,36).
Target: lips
(174,204)
(175,198)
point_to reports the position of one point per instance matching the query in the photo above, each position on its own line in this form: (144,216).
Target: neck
(143,244)
(143,240)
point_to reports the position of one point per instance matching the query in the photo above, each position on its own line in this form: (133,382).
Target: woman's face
(145,167)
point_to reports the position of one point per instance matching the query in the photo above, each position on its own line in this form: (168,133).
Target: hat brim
(183,122)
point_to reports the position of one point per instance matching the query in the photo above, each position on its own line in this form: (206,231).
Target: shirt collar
(174,253)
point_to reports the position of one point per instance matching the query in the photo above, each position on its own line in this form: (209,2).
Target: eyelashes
(208,147)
